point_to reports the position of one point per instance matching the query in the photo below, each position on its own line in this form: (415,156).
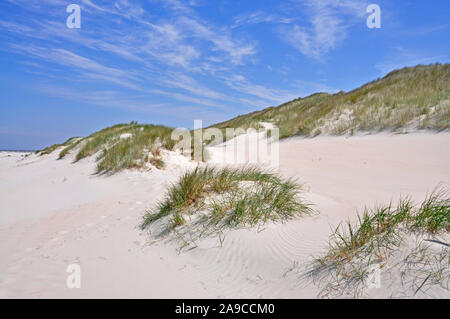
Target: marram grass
(431,216)
(228,197)
(119,147)
(48,150)
(377,235)
(410,98)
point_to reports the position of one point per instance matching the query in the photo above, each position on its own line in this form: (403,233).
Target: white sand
(55,213)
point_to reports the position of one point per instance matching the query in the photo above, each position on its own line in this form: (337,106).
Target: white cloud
(260,17)
(186,98)
(104,98)
(401,58)
(162,55)
(309,87)
(266,96)
(77,63)
(222,41)
(183,81)
(328,24)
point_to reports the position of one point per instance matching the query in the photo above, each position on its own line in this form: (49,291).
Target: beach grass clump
(103,139)
(119,147)
(68,148)
(376,234)
(433,215)
(134,150)
(48,150)
(228,197)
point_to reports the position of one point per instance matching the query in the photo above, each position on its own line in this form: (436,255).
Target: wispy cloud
(328,21)
(401,57)
(267,95)
(260,17)
(309,87)
(77,64)
(104,98)
(132,102)
(158,52)
(188,99)
(187,83)
(221,40)
(166,56)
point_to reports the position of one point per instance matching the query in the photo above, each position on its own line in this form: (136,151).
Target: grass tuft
(354,247)
(48,150)
(119,147)
(132,152)
(229,197)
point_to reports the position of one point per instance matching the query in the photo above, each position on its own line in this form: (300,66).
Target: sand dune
(54,213)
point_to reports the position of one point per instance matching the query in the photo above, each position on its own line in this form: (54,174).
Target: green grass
(228,197)
(48,150)
(157,162)
(377,232)
(133,152)
(102,139)
(142,147)
(68,148)
(432,216)
(418,96)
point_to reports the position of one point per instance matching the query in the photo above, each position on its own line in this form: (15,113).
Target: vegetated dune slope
(404,100)
(55,213)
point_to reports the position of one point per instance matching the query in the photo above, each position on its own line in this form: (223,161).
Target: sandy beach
(54,213)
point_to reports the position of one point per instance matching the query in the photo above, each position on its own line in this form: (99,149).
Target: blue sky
(172,61)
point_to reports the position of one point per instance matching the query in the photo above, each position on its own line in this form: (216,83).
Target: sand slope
(54,213)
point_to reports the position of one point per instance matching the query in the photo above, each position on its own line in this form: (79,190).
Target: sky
(172,61)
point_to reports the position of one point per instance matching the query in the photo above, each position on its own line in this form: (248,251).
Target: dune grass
(101,139)
(228,197)
(134,151)
(48,150)
(68,148)
(122,146)
(432,216)
(119,147)
(377,232)
(410,98)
